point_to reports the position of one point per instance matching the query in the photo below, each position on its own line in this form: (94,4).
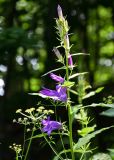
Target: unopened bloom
(66,42)
(58,94)
(56,78)
(58,55)
(70,61)
(49,126)
(60,13)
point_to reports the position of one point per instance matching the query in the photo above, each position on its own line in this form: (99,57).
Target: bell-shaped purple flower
(49,126)
(58,95)
(56,78)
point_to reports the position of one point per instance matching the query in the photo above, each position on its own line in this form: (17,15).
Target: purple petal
(55,125)
(58,94)
(70,61)
(49,126)
(62,93)
(48,92)
(56,78)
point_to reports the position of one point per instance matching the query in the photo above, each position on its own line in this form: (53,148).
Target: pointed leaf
(92,93)
(109,112)
(54,70)
(82,141)
(86,130)
(77,74)
(99,89)
(101,105)
(78,54)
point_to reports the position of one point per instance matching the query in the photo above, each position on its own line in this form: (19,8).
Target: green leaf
(101,105)
(87,130)
(101,156)
(72,91)
(75,109)
(54,70)
(92,93)
(77,74)
(99,89)
(111,150)
(82,141)
(78,54)
(109,112)
(107,105)
(68,84)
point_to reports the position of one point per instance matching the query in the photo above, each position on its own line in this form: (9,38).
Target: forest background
(27,38)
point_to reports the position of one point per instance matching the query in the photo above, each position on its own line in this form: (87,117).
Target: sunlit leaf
(86,130)
(77,74)
(99,89)
(68,84)
(78,54)
(89,95)
(101,156)
(82,141)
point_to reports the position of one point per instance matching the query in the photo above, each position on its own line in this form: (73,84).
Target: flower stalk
(69,106)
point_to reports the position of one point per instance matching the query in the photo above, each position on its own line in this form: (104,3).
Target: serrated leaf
(82,141)
(77,74)
(109,113)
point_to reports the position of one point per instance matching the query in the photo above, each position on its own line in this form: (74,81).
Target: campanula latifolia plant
(40,119)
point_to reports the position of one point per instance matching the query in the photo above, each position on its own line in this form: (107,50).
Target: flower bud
(66,42)
(59,11)
(57,53)
(70,61)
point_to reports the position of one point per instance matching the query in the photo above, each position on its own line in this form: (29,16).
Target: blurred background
(27,37)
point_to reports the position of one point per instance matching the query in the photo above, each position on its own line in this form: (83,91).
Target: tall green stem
(29,143)
(16,156)
(69,107)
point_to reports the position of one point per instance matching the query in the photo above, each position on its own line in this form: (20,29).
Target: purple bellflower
(49,126)
(59,94)
(56,78)
(70,61)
